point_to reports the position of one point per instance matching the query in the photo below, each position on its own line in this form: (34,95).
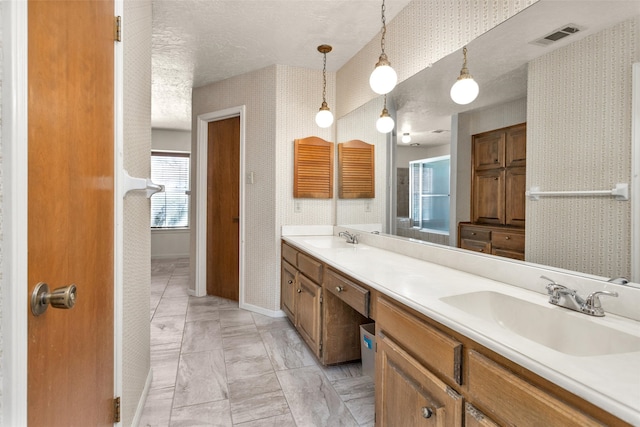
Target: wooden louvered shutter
(356,172)
(313,168)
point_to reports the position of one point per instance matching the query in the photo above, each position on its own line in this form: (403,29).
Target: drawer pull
(299,290)
(473,233)
(339,289)
(507,238)
(481,250)
(290,282)
(426,412)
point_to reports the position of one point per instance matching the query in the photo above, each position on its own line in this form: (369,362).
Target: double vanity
(456,347)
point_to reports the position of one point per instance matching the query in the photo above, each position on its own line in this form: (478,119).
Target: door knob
(64,297)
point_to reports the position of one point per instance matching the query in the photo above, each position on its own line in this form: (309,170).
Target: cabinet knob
(507,238)
(299,290)
(481,250)
(473,233)
(495,179)
(290,282)
(339,288)
(426,412)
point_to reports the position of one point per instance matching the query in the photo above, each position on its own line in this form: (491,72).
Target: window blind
(170,209)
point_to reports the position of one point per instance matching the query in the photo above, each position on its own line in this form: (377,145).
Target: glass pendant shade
(385,123)
(465,90)
(383,78)
(324,117)
(406,138)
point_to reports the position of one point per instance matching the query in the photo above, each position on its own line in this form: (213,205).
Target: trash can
(368,349)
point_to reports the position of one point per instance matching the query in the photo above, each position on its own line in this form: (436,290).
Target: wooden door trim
(199,232)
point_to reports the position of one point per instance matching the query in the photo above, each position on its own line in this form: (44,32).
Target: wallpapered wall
(281,103)
(137,148)
(580,139)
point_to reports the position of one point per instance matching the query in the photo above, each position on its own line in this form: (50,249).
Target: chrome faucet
(351,238)
(568,298)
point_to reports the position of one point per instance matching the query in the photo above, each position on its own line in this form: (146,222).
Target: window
(170,208)
(429,194)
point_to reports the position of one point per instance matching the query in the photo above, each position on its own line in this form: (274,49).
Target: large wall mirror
(574,93)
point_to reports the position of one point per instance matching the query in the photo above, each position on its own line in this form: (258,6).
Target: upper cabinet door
(516,146)
(488,150)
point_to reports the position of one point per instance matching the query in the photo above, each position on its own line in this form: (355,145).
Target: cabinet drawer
(310,267)
(514,401)
(508,240)
(434,349)
(290,254)
(508,254)
(475,418)
(475,233)
(475,245)
(354,295)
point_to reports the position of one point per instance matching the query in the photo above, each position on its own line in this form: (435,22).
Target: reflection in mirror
(575,96)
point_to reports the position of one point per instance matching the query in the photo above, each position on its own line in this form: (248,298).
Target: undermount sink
(550,326)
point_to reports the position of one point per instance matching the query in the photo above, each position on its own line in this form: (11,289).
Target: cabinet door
(475,418)
(407,394)
(516,146)
(488,197)
(308,313)
(515,200)
(488,150)
(288,290)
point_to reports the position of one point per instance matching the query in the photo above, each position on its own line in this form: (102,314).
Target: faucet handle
(592,304)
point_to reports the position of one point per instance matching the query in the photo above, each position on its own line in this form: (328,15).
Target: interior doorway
(223,208)
(200,233)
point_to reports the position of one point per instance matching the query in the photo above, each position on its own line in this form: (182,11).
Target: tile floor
(217,365)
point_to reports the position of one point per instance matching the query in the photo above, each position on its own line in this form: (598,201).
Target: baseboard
(143,399)
(261,310)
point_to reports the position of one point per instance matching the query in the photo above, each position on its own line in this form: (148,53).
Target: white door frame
(15,207)
(201,198)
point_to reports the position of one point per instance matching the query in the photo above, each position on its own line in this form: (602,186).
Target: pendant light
(324,117)
(385,123)
(383,78)
(406,138)
(465,89)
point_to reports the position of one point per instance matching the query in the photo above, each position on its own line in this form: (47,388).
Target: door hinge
(116,410)
(118,28)
(321,299)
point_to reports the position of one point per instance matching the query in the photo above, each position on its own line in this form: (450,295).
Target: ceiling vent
(438,131)
(559,34)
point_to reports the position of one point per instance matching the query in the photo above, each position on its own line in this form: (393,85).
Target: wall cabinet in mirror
(313,168)
(498,176)
(356,176)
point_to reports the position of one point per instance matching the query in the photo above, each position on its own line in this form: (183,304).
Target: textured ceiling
(197,42)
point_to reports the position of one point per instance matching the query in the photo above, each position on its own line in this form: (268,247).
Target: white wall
(170,243)
(406,154)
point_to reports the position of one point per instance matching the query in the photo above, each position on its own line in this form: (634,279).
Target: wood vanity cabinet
(427,374)
(328,320)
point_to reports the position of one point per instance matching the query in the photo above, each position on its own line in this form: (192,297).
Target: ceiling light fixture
(385,123)
(465,89)
(324,117)
(406,138)
(383,78)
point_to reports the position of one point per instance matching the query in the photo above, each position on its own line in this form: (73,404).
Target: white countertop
(610,381)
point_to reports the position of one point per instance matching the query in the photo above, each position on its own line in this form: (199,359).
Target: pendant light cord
(324,79)
(384,27)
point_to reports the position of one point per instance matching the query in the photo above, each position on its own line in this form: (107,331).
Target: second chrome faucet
(351,238)
(568,298)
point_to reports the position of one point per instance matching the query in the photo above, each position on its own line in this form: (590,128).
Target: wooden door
(223,208)
(71,210)
(288,290)
(488,197)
